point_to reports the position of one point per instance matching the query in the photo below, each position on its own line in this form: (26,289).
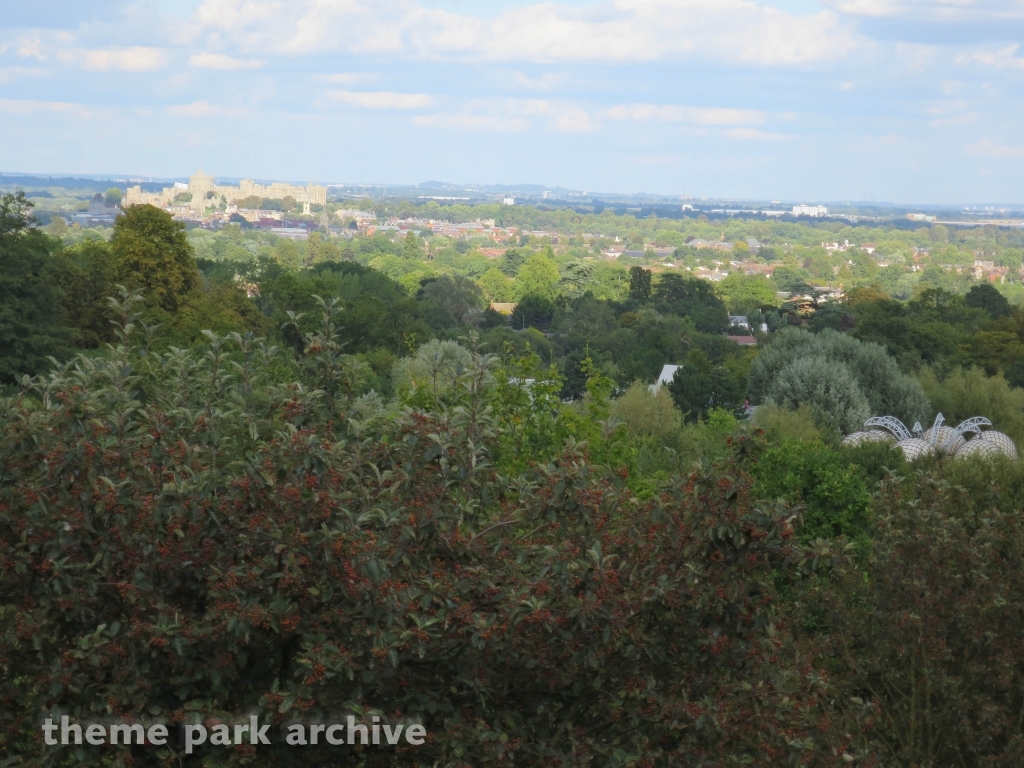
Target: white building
(810,210)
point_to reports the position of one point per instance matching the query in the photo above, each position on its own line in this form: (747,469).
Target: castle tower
(199,185)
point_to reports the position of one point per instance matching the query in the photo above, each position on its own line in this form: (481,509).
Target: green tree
(154,256)
(574,280)
(870,382)
(512,262)
(744,293)
(113,196)
(88,277)
(496,286)
(987,297)
(412,247)
(700,386)
(31,301)
(533,311)
(835,497)
(459,297)
(319,248)
(639,283)
(538,276)
(791,279)
(826,387)
(694,298)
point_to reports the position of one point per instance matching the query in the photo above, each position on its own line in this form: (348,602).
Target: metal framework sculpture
(952,441)
(890,423)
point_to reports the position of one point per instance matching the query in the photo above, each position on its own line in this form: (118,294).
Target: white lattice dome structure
(915,448)
(939,438)
(947,439)
(1004,442)
(871,436)
(978,447)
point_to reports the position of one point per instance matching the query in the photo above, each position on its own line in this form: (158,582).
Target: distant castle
(200,185)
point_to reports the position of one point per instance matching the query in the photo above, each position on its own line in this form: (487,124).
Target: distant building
(920,217)
(743,341)
(810,210)
(203,187)
(99,213)
(508,201)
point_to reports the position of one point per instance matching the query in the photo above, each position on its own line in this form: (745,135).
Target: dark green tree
(31,301)
(154,256)
(986,296)
(512,261)
(533,311)
(639,283)
(699,385)
(88,277)
(694,298)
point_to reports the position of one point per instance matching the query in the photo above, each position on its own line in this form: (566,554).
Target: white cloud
(618,31)
(134,59)
(345,78)
(682,114)
(31,49)
(222,61)
(985,148)
(7,74)
(545,82)
(40,107)
(466,121)
(30,106)
(1001,59)
(932,10)
(205,109)
(383,99)
(513,115)
(753,134)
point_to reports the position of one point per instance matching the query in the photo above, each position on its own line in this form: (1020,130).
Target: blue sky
(896,100)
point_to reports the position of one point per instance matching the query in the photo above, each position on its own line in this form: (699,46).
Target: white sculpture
(940,438)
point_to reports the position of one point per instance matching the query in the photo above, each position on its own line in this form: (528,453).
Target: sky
(909,101)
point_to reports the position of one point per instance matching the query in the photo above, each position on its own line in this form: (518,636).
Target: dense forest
(241,474)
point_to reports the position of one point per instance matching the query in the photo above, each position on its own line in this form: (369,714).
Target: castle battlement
(203,187)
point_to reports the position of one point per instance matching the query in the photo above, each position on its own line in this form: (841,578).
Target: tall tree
(538,276)
(639,283)
(412,248)
(31,308)
(512,261)
(154,256)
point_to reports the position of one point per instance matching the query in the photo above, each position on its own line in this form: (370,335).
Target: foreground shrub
(182,540)
(927,631)
(834,494)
